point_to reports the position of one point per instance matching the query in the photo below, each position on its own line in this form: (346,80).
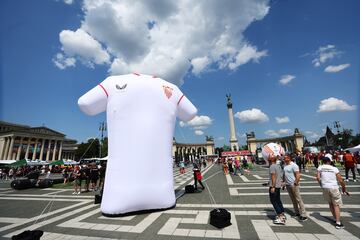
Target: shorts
(332,195)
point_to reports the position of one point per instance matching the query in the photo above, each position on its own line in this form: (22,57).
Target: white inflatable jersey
(273,149)
(141,112)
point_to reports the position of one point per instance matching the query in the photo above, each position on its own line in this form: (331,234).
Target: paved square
(62,215)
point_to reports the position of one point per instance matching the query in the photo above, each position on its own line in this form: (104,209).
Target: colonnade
(23,147)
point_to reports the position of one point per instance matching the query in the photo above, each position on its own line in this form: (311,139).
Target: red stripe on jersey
(180,99)
(107,95)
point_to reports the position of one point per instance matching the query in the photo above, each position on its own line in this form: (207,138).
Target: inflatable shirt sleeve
(186,110)
(95,100)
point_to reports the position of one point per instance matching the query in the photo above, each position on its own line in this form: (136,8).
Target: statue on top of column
(229,103)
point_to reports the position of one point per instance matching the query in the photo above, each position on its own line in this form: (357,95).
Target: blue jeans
(276,201)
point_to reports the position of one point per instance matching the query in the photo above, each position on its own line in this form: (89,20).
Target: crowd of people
(285,172)
(89,176)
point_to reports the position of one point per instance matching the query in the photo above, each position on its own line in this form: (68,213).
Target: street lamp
(102,128)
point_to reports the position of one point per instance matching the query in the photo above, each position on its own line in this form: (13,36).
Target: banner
(236,153)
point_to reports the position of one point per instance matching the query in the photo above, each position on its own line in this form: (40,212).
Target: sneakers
(355,180)
(346,180)
(296,215)
(302,219)
(279,221)
(78,193)
(339,226)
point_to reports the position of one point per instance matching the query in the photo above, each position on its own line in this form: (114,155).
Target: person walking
(94,177)
(225,167)
(76,175)
(292,181)
(349,165)
(275,184)
(328,177)
(357,161)
(197,177)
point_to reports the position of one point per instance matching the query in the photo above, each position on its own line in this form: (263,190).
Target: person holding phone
(328,177)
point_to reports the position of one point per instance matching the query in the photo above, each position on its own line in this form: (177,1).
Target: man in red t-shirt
(349,165)
(357,161)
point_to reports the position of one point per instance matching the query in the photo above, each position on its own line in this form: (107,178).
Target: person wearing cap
(328,177)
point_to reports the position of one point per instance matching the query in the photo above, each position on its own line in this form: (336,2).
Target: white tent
(354,149)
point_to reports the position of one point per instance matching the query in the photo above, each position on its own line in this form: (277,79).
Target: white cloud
(84,46)
(199,121)
(167,38)
(252,115)
(274,133)
(63,62)
(285,79)
(333,104)
(284,131)
(199,64)
(311,135)
(199,132)
(338,68)
(324,54)
(246,54)
(69,1)
(281,120)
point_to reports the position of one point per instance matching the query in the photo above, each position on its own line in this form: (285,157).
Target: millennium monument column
(234,145)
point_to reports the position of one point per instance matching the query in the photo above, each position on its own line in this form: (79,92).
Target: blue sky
(287,64)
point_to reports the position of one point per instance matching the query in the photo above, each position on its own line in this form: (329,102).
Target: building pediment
(46,131)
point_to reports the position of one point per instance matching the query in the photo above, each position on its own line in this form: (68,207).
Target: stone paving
(62,215)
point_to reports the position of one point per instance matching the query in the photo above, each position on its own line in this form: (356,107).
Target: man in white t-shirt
(328,177)
(141,112)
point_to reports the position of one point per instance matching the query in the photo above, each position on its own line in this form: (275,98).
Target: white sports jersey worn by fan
(141,111)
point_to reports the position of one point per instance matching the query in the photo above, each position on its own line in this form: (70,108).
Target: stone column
(9,155)
(54,151)
(59,157)
(5,150)
(234,145)
(35,149)
(42,149)
(19,149)
(48,150)
(27,148)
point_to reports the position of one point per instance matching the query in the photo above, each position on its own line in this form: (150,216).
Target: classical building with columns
(191,151)
(293,143)
(42,143)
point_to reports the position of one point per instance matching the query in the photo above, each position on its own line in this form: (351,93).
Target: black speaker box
(98,199)
(28,235)
(45,183)
(189,189)
(19,184)
(220,218)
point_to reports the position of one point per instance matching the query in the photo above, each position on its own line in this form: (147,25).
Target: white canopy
(354,149)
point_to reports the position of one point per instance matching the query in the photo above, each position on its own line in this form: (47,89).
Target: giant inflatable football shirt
(141,112)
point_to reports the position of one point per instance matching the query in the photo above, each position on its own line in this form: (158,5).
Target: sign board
(236,153)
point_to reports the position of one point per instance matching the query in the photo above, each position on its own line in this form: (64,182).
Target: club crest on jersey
(121,87)
(168,91)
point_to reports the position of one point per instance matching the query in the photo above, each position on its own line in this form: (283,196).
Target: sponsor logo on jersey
(168,91)
(118,87)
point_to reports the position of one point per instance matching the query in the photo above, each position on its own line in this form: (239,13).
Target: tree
(89,149)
